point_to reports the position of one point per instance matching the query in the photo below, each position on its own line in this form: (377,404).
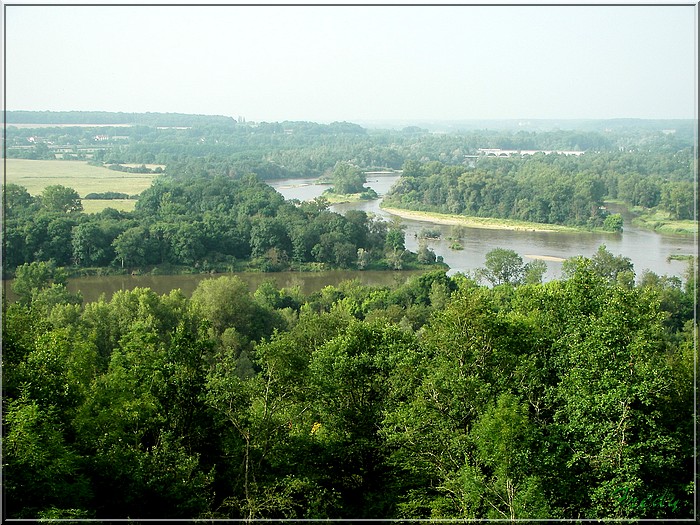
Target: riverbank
(654,219)
(659,222)
(480,222)
(92,287)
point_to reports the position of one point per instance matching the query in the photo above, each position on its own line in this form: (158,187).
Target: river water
(646,249)
(308,282)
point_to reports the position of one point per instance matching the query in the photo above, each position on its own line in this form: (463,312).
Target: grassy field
(35,175)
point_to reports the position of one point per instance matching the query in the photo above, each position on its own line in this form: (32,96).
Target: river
(308,282)
(646,249)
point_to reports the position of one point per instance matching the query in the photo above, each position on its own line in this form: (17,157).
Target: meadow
(35,175)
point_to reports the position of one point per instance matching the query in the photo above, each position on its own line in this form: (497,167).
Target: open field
(478,222)
(35,175)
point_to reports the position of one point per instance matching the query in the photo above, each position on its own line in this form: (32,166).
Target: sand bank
(545,258)
(476,222)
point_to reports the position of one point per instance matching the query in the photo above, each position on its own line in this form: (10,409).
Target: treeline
(556,189)
(107,117)
(132,169)
(199,224)
(437,398)
(108,195)
(529,190)
(307,149)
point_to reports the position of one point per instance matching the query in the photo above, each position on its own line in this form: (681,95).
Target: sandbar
(545,258)
(475,222)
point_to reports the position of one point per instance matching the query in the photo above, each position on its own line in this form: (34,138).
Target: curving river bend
(646,249)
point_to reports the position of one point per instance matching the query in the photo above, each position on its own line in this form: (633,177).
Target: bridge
(496,152)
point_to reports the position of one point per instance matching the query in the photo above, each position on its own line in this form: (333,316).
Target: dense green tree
(40,468)
(350,381)
(226,303)
(348,179)
(504,439)
(613,223)
(17,201)
(142,463)
(33,277)
(626,400)
(534,271)
(60,199)
(138,246)
(614,268)
(503,266)
(680,200)
(92,242)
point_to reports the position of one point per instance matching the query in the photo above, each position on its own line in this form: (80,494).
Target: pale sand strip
(545,258)
(472,222)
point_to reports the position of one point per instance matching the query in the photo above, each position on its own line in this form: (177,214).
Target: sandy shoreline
(472,222)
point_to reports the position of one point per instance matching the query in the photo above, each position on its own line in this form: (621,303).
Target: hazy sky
(356,63)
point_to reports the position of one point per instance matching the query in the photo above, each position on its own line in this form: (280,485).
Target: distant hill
(107,117)
(684,126)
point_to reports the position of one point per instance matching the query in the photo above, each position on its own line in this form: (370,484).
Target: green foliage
(60,199)
(503,267)
(504,439)
(534,271)
(553,189)
(17,201)
(226,303)
(40,468)
(203,224)
(39,280)
(435,398)
(613,223)
(347,179)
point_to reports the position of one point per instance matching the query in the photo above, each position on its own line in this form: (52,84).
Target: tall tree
(61,199)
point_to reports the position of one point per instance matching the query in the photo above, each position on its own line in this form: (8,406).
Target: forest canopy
(435,398)
(202,223)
